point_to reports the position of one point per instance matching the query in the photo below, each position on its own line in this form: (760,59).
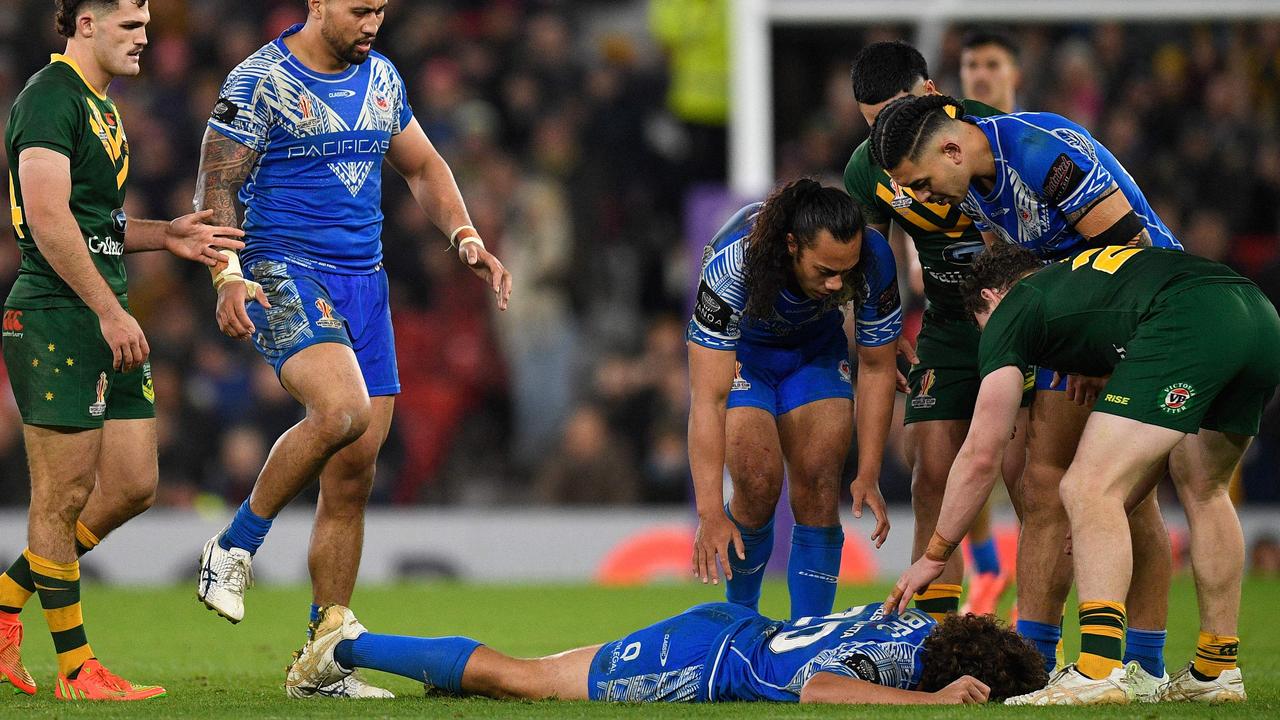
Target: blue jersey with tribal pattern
(315,196)
(718,321)
(772,660)
(1048,168)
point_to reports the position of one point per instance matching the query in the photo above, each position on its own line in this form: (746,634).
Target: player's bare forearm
(977,465)
(145,235)
(877,382)
(429,178)
(45,177)
(710,375)
(224,166)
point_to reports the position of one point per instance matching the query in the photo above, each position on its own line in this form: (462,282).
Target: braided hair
(904,124)
(801,208)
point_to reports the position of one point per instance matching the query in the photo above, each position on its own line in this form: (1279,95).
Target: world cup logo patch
(327,320)
(739,383)
(1176,397)
(923,400)
(100,406)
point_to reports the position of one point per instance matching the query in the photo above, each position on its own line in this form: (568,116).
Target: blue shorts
(311,306)
(781,379)
(667,661)
(1044,381)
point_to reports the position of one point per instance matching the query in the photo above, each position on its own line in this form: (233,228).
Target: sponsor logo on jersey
(846,372)
(963,253)
(923,400)
(739,383)
(666,649)
(1117,399)
(344,93)
(119,221)
(224,111)
(327,320)
(13,323)
(863,668)
(99,406)
(105,246)
(1176,397)
(900,198)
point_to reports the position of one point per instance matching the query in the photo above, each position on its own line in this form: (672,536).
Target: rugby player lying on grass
(715,652)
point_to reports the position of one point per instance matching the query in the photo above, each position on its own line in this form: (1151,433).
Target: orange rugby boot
(95,682)
(12,670)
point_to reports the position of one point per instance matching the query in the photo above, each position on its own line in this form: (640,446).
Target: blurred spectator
(1264,557)
(592,466)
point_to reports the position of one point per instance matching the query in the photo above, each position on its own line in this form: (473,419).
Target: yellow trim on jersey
(961,225)
(59,57)
(15,210)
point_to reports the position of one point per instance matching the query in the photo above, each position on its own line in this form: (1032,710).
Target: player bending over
(715,652)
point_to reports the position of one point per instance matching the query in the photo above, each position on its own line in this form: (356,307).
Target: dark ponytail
(904,123)
(801,208)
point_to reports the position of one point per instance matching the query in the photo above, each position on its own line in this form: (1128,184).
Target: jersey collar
(59,57)
(992,132)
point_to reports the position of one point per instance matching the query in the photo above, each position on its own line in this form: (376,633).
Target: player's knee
(340,424)
(138,498)
(927,486)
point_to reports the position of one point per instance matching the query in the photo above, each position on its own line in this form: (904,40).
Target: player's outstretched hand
(190,238)
(867,492)
(233,319)
(489,268)
(964,690)
(716,532)
(916,578)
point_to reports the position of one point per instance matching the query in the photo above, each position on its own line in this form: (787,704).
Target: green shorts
(61,371)
(1206,357)
(944,386)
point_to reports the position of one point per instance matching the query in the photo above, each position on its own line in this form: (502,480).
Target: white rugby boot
(315,672)
(224,576)
(1069,687)
(1143,686)
(1185,687)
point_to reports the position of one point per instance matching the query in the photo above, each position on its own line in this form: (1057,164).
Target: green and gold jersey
(1076,315)
(945,238)
(59,110)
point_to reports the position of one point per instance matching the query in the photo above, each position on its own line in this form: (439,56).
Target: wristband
(453,236)
(939,548)
(230,272)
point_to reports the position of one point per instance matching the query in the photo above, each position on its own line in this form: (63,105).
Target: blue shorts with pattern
(310,306)
(781,379)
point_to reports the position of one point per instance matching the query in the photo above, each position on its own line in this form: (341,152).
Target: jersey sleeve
(242,112)
(46,116)
(1063,167)
(1012,332)
(879,320)
(404,111)
(721,298)
(859,182)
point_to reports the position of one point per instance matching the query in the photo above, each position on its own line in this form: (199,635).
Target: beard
(344,49)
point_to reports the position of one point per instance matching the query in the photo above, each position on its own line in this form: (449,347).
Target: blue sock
(1045,637)
(315,612)
(813,569)
(748,574)
(438,661)
(246,531)
(1147,647)
(985,559)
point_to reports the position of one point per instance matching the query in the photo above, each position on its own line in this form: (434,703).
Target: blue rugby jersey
(315,196)
(718,321)
(765,659)
(1046,168)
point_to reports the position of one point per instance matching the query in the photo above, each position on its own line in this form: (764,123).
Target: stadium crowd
(575,159)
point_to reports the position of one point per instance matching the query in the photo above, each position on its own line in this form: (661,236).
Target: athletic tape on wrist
(940,548)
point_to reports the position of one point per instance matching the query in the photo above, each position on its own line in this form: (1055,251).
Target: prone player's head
(981,646)
(991,276)
(921,142)
(989,69)
(114,31)
(807,237)
(348,26)
(885,71)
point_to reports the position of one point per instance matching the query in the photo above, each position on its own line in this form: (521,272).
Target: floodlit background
(598,145)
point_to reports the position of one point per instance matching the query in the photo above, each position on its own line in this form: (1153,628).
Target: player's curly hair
(65,12)
(801,208)
(981,646)
(884,69)
(904,124)
(997,268)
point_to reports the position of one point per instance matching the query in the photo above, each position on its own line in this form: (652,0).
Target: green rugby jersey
(1077,314)
(945,238)
(59,110)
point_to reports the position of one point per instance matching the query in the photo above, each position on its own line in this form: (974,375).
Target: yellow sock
(938,599)
(1215,654)
(15,586)
(1101,637)
(85,539)
(59,588)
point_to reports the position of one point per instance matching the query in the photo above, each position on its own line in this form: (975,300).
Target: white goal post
(751,161)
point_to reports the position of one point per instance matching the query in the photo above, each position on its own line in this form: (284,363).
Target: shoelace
(110,679)
(12,632)
(239,575)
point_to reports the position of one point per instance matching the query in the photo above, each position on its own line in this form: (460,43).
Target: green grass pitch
(215,670)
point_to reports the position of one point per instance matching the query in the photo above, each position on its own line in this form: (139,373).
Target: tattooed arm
(224,166)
